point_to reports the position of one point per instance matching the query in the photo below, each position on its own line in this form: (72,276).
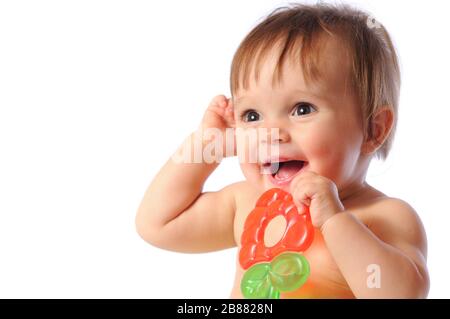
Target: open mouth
(283,171)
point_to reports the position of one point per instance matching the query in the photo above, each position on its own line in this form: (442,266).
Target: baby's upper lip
(279,159)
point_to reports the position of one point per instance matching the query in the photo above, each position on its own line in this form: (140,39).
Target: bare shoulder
(236,187)
(237,190)
(234,191)
(243,193)
(242,186)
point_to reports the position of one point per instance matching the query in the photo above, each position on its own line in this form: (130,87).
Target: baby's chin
(267,184)
(262,185)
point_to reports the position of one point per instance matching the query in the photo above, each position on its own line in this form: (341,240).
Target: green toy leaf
(287,272)
(256,283)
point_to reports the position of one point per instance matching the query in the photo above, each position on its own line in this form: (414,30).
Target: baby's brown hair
(375,74)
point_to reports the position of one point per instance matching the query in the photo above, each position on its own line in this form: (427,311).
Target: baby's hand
(220,115)
(317,192)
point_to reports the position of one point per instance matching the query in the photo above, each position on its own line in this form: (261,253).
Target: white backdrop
(96,95)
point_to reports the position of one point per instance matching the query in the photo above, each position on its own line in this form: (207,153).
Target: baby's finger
(230,107)
(229,112)
(219,100)
(302,208)
(302,193)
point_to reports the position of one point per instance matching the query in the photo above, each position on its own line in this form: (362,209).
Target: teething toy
(271,270)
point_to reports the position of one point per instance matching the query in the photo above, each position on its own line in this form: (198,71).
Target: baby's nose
(276,135)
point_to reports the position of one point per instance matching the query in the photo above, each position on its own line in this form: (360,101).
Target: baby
(322,84)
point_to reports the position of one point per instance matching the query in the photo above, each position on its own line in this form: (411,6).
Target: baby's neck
(358,192)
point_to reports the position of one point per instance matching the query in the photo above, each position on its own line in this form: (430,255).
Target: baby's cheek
(320,143)
(325,153)
(333,153)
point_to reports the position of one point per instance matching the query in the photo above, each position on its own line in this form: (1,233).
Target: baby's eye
(250,116)
(303,108)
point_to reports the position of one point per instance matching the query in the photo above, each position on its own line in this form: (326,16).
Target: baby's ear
(378,131)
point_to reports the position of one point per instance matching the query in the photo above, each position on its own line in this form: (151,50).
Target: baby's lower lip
(287,181)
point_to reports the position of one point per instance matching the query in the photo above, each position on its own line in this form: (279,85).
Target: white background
(96,95)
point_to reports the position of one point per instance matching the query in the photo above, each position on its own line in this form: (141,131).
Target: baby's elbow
(146,230)
(418,283)
(422,287)
(155,232)
(417,287)
(416,291)
(413,285)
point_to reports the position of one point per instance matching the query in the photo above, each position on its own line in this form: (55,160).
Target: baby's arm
(174,213)
(395,243)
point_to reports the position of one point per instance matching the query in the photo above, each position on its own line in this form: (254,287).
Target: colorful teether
(279,268)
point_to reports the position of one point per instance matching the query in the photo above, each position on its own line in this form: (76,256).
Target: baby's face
(320,125)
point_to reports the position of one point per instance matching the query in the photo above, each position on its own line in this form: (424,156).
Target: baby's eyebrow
(237,102)
(309,94)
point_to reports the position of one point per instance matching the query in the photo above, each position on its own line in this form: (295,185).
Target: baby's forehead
(326,66)
(334,63)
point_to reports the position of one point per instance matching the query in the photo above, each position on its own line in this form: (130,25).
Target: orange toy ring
(298,235)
